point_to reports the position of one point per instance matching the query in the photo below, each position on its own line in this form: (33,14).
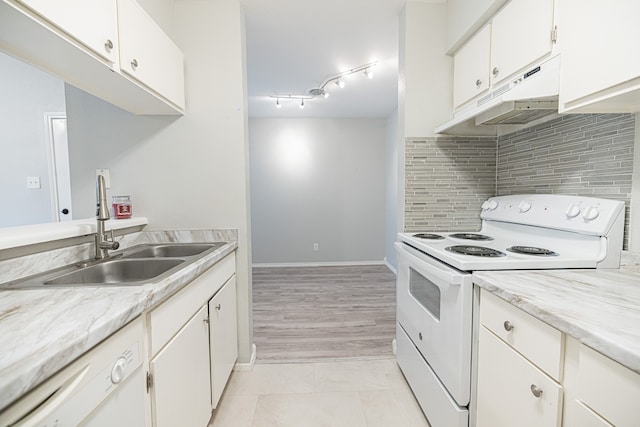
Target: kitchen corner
(45,330)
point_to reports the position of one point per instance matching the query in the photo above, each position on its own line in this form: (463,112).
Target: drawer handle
(537,392)
(478,83)
(108,45)
(420,335)
(206,320)
(134,63)
(508,326)
(218,307)
(495,71)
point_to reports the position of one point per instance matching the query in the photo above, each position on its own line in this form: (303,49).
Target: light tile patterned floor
(367,393)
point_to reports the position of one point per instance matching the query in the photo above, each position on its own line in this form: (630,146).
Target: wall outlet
(315,247)
(33,182)
(107,176)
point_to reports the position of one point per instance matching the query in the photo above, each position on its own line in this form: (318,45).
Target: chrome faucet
(103,244)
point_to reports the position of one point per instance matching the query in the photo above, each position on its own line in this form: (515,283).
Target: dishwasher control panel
(102,387)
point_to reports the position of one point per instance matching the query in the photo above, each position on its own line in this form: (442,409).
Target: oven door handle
(433,267)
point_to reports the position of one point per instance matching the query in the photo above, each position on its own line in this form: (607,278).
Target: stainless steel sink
(172,250)
(116,272)
(137,265)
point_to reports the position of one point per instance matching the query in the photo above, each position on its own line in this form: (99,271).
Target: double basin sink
(137,265)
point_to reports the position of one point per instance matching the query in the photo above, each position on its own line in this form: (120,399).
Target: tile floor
(357,393)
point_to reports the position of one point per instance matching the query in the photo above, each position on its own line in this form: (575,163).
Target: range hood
(525,98)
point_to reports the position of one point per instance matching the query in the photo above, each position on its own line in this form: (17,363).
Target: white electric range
(435,295)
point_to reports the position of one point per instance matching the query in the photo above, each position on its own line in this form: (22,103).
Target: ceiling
(296,45)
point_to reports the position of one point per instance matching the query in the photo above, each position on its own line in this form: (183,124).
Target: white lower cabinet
(519,368)
(223,338)
(193,348)
(530,374)
(511,390)
(181,390)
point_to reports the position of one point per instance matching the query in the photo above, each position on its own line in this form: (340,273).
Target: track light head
(301,104)
(369,73)
(278,105)
(340,83)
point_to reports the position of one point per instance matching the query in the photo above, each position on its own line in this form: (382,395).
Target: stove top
(532,231)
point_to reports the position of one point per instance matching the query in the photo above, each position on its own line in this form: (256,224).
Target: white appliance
(436,300)
(104,387)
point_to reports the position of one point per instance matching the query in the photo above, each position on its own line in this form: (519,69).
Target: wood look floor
(303,314)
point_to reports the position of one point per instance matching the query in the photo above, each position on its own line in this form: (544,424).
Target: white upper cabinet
(471,68)
(600,65)
(518,36)
(521,35)
(148,55)
(82,42)
(93,23)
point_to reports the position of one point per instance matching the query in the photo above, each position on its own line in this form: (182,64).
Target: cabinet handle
(537,392)
(134,63)
(478,83)
(108,45)
(508,326)
(206,320)
(495,71)
(218,307)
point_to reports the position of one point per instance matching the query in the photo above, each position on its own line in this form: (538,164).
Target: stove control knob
(485,205)
(524,206)
(573,211)
(492,205)
(591,213)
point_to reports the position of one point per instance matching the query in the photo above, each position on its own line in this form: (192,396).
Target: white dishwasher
(104,387)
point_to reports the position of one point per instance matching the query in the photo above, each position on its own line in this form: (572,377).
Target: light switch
(33,182)
(107,177)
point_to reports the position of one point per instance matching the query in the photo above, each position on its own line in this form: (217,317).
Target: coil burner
(428,236)
(530,250)
(474,251)
(470,236)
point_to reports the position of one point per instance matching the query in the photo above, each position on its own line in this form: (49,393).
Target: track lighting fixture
(321,91)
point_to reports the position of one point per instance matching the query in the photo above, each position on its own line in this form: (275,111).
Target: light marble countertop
(600,308)
(41,331)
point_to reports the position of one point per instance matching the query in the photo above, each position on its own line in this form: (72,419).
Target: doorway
(59,172)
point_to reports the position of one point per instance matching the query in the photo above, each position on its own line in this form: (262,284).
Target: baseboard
(390,267)
(319,264)
(249,365)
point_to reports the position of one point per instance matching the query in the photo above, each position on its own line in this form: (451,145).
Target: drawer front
(534,339)
(166,319)
(585,417)
(608,388)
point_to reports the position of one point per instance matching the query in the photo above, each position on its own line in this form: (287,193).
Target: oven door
(434,307)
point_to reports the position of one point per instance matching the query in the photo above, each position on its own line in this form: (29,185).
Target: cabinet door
(471,68)
(223,338)
(148,55)
(505,397)
(520,36)
(92,23)
(181,388)
(600,66)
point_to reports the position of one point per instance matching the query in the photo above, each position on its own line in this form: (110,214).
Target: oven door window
(425,292)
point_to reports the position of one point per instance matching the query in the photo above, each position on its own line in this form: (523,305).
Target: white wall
(317,181)
(391,190)
(185,172)
(26,95)
(425,72)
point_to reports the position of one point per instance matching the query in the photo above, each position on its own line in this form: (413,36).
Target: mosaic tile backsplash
(447,178)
